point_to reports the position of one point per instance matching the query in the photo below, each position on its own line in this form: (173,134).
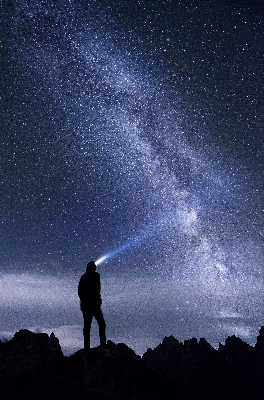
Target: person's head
(91,267)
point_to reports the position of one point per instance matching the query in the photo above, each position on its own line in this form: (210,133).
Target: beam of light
(133,241)
(101,260)
(166,218)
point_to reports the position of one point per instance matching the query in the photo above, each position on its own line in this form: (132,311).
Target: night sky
(132,130)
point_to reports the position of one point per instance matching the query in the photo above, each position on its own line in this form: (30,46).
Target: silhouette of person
(89,291)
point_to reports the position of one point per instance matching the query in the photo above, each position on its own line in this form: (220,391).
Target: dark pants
(88,317)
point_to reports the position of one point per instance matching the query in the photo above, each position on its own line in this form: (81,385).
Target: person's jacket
(89,291)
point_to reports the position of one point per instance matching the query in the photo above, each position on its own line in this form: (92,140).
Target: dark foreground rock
(194,370)
(32,366)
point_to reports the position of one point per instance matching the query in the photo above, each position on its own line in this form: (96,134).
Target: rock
(116,372)
(185,369)
(260,341)
(32,366)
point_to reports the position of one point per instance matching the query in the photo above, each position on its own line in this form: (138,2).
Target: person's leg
(98,315)
(87,322)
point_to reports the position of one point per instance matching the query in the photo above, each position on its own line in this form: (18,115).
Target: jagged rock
(238,370)
(260,341)
(236,352)
(32,366)
(26,346)
(116,372)
(259,362)
(185,369)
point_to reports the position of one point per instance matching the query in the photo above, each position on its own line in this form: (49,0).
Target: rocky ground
(32,366)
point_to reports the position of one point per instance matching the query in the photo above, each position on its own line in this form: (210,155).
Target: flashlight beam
(135,240)
(102,259)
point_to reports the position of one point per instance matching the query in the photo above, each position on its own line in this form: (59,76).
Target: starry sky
(131,134)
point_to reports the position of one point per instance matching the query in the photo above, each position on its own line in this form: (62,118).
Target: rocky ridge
(32,366)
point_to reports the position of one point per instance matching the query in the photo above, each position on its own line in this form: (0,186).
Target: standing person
(89,291)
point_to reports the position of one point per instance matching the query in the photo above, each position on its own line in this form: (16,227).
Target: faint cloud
(35,289)
(242,331)
(229,314)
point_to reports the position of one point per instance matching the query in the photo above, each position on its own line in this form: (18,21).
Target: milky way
(133,132)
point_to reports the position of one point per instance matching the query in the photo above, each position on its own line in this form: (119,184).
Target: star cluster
(134,129)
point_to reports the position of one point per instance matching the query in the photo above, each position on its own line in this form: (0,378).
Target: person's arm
(99,283)
(82,289)
(98,287)
(79,287)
